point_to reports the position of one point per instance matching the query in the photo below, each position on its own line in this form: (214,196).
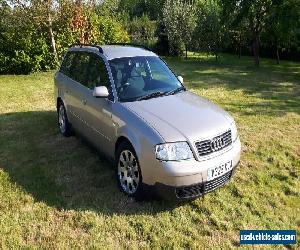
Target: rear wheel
(128,171)
(63,122)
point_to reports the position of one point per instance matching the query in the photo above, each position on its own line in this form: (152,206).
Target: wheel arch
(132,138)
(120,140)
(58,101)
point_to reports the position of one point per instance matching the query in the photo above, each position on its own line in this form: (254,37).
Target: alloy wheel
(128,172)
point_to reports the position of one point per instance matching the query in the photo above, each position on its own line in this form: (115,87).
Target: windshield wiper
(173,92)
(152,95)
(159,93)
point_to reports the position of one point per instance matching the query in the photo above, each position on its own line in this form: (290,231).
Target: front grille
(217,143)
(188,192)
(218,182)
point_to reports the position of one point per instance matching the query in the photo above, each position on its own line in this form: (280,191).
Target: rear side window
(67,63)
(88,69)
(79,68)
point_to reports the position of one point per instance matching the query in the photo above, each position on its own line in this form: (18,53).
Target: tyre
(129,174)
(63,122)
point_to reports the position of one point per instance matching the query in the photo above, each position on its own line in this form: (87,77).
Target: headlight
(234,132)
(175,151)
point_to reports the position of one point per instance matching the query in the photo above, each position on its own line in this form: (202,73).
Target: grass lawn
(58,192)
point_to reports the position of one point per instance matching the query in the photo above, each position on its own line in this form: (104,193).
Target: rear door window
(79,68)
(67,63)
(87,69)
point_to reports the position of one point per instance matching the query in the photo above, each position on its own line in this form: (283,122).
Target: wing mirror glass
(180,78)
(101,92)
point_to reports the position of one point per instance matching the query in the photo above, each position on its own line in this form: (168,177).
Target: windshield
(139,77)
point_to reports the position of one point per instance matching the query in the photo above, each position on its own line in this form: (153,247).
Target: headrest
(135,72)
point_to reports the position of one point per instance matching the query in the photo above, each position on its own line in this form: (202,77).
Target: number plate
(218,171)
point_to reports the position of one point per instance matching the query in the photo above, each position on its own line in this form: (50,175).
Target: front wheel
(129,174)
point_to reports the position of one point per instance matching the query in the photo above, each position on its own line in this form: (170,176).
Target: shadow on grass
(62,172)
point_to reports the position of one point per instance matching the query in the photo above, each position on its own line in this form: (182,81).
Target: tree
(209,30)
(142,30)
(136,8)
(255,12)
(179,18)
(36,33)
(81,24)
(23,43)
(281,26)
(42,14)
(238,36)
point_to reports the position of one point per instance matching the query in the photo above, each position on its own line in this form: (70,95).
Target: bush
(108,30)
(24,53)
(142,30)
(25,44)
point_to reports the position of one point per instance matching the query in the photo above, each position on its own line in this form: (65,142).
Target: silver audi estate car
(129,104)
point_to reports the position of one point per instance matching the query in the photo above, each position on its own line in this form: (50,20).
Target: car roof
(115,51)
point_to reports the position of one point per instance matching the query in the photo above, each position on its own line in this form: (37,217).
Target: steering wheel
(123,87)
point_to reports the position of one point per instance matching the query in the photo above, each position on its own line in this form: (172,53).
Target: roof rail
(131,44)
(90,45)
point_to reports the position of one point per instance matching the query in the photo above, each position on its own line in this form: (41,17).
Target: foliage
(109,31)
(236,36)
(22,48)
(179,18)
(282,31)
(136,8)
(110,8)
(255,13)
(34,34)
(142,30)
(209,32)
(29,42)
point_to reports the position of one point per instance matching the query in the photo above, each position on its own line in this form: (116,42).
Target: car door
(98,111)
(76,93)
(64,82)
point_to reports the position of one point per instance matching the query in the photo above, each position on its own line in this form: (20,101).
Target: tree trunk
(255,47)
(255,28)
(240,46)
(186,49)
(51,36)
(277,55)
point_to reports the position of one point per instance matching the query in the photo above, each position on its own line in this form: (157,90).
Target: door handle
(83,101)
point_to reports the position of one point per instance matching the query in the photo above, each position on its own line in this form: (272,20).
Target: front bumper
(193,191)
(185,173)
(188,179)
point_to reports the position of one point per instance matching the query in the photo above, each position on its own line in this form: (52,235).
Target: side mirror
(101,92)
(180,78)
